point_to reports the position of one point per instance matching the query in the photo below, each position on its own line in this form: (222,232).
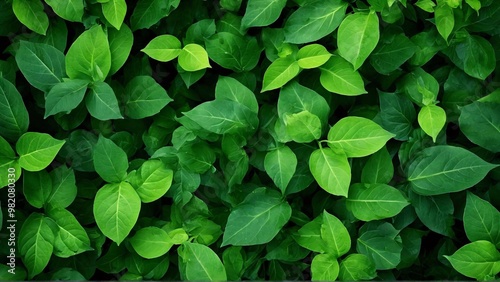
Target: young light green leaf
(262,12)
(193,57)
(37,150)
(37,187)
(120,44)
(303,127)
(154,180)
(357,267)
(331,170)
(335,236)
(480,220)
(309,236)
(314,21)
(479,260)
(198,262)
(257,219)
(64,189)
(70,239)
(36,243)
(89,57)
(116,210)
(144,97)
(41,64)
(101,102)
(312,56)
(14,118)
(357,137)
(479,122)
(114,11)
(65,96)
(280,72)
(71,10)
(31,14)
(229,88)
(110,161)
(357,37)
(163,48)
(151,242)
(224,116)
(280,165)
(446,169)
(375,201)
(445,19)
(432,119)
(324,267)
(378,168)
(338,76)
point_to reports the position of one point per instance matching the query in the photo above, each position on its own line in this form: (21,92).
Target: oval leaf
(37,150)
(331,171)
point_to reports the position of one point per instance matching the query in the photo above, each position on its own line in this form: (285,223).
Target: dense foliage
(255,139)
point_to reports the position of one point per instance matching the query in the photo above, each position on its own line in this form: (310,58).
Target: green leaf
(421,87)
(199,262)
(223,117)
(303,127)
(154,180)
(233,51)
(375,201)
(391,52)
(280,165)
(71,10)
(257,219)
(357,37)
(70,239)
(110,161)
(479,122)
(163,48)
(479,260)
(378,168)
(65,96)
(36,240)
(432,119)
(120,44)
(196,157)
(37,150)
(31,14)
(382,246)
(114,11)
(151,242)
(357,267)
(435,212)
(335,236)
(116,210)
(144,97)
(101,102)
(357,137)
(446,169)
(312,56)
(331,171)
(193,57)
(324,267)
(397,113)
(14,118)
(295,98)
(149,12)
(480,220)
(64,189)
(231,89)
(474,4)
(426,5)
(89,57)
(445,19)
(37,187)
(42,65)
(309,236)
(314,21)
(338,76)
(262,12)
(280,72)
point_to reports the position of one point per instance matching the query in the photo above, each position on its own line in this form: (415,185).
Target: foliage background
(259,139)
